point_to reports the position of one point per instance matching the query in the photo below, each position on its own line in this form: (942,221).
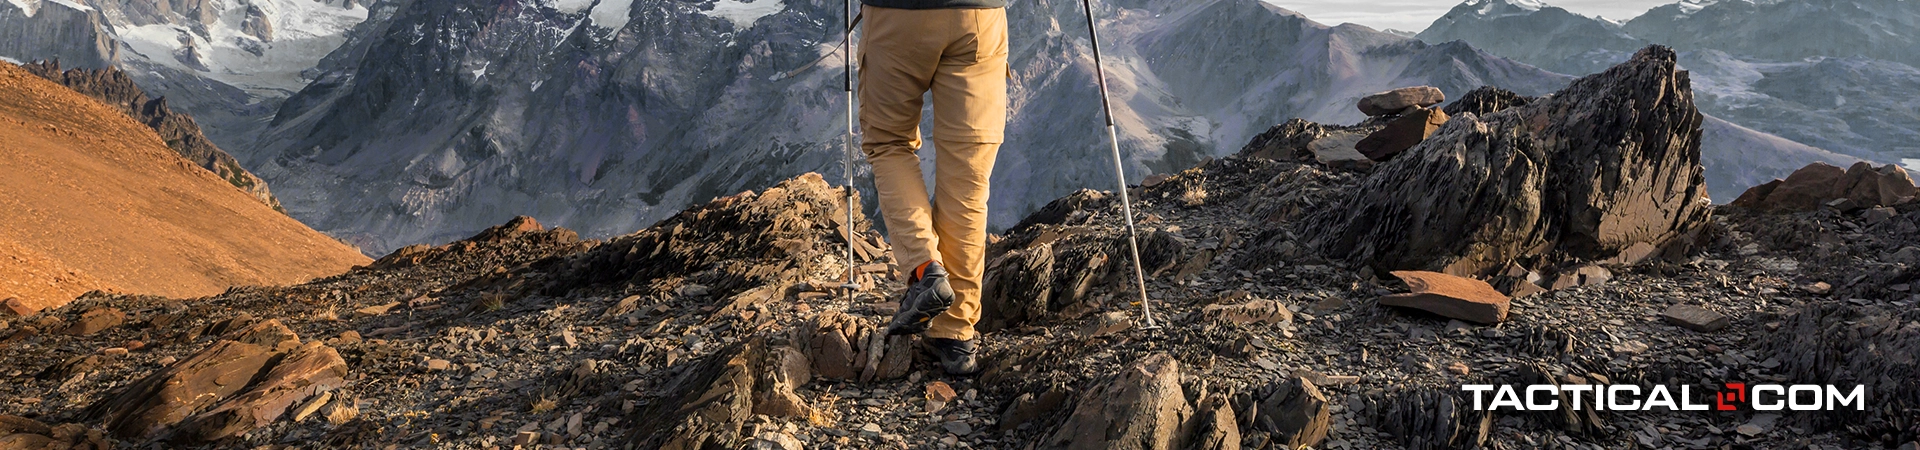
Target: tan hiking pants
(960,55)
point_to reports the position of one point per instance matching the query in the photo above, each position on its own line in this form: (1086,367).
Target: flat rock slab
(1451,296)
(1396,100)
(1695,318)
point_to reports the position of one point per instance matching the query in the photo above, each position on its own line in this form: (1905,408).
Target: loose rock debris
(710,329)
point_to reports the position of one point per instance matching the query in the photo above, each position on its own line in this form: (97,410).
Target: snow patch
(70,4)
(571,6)
(611,14)
(304,31)
(27,6)
(1488,7)
(1913,164)
(11,61)
(744,12)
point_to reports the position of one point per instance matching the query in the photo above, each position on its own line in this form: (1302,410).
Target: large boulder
(1401,134)
(1143,408)
(1609,163)
(1397,100)
(245,380)
(1817,184)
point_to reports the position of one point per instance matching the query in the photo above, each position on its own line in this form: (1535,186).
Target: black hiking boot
(928,295)
(956,356)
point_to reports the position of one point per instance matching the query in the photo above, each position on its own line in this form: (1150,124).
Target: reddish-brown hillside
(91,199)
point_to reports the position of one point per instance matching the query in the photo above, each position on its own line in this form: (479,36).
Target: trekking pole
(1119,171)
(846,153)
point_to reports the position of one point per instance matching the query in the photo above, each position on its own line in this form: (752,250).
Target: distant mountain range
(430,120)
(1833,74)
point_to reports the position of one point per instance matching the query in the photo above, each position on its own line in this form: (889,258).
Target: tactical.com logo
(1733,397)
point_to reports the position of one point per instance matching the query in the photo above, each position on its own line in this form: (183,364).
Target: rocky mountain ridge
(181,133)
(717,328)
(1833,74)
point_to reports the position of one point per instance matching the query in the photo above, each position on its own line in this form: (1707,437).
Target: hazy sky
(1415,15)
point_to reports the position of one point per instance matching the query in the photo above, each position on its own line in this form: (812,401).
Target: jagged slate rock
(25,441)
(898,359)
(1105,324)
(1292,412)
(96,320)
(1848,344)
(1064,210)
(10,424)
(1429,419)
(268,333)
(790,365)
(1579,422)
(1609,162)
(1288,141)
(146,408)
(75,365)
(1142,408)
(1253,311)
(1161,251)
(1451,296)
(1396,100)
(1695,318)
(1486,100)
(1401,134)
(830,343)
(1583,276)
(1017,288)
(733,238)
(706,406)
(1217,427)
(1029,407)
(299,375)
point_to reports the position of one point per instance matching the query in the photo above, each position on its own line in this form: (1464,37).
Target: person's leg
(970,116)
(897,63)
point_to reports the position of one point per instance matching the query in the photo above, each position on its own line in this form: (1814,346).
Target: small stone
(958,428)
(114,351)
(438,364)
(16,307)
(1695,318)
(1749,430)
(376,310)
(348,337)
(1630,348)
(1105,324)
(1458,368)
(1819,288)
(870,428)
(526,438)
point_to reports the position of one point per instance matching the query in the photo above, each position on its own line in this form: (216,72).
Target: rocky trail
(1574,227)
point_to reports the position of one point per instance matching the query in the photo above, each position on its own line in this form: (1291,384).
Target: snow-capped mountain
(227,62)
(1789,30)
(1802,70)
(1539,34)
(448,116)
